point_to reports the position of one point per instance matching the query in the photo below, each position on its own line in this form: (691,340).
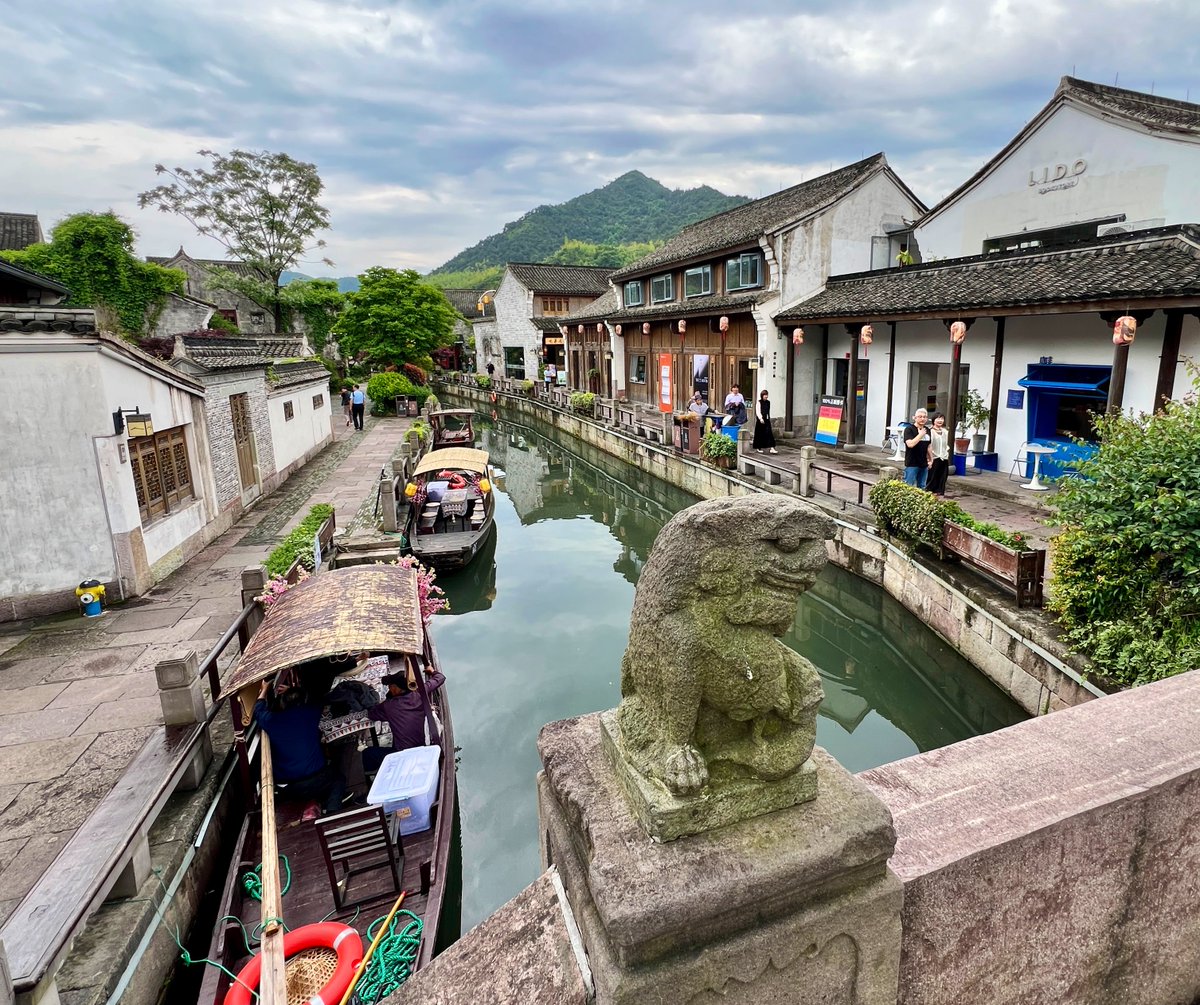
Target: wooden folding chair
(356,842)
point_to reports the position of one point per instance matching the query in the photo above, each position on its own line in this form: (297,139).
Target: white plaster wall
(514,308)
(308,427)
(164,535)
(1071,338)
(1144,176)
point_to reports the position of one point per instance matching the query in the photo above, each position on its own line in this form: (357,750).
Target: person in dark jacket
(291,723)
(403,712)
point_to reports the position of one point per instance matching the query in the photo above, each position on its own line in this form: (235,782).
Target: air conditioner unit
(1129,227)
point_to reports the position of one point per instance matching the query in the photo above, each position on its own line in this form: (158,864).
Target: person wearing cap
(403,711)
(698,405)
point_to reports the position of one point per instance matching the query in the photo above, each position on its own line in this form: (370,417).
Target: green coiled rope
(252,880)
(394,957)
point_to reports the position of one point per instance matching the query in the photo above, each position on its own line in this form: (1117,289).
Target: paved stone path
(78,696)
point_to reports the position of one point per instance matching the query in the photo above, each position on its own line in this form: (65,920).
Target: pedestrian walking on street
(358,402)
(491,369)
(939,455)
(764,435)
(346,405)
(916,450)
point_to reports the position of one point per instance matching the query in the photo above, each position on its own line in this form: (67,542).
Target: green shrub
(910,512)
(715,445)
(1126,568)
(527,386)
(299,543)
(583,402)
(432,402)
(482,380)
(384,388)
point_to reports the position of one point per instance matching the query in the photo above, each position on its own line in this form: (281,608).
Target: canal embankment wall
(1018,651)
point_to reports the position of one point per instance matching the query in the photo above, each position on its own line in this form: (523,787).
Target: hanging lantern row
(1124,328)
(958,332)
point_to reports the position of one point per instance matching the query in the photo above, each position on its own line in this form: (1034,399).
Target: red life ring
(493,397)
(454,479)
(327,935)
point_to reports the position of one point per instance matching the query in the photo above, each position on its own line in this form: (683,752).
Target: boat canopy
(363,608)
(458,413)
(454,458)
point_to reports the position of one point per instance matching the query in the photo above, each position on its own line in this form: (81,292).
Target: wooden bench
(108,856)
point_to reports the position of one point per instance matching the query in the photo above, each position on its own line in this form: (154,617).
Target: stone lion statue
(709,692)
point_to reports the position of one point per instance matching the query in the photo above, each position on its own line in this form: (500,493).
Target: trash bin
(402,404)
(730,431)
(960,464)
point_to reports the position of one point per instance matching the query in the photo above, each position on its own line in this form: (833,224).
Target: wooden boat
(319,631)
(452,427)
(452,507)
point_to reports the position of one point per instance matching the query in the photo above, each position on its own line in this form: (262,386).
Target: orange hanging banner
(664,382)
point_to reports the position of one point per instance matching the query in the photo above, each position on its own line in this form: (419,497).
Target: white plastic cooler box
(406,785)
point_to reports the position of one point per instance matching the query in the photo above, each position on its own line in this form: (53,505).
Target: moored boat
(452,427)
(343,871)
(452,507)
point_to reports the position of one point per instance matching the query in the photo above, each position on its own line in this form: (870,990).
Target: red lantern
(797,336)
(581,329)
(958,332)
(617,329)
(600,329)
(724,324)
(645,327)
(866,335)
(563,330)
(1124,329)
(682,327)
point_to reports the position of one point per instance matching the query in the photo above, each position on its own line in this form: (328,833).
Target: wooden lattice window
(162,474)
(289,412)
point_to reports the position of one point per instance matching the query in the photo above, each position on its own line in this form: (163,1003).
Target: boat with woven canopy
(452,427)
(452,507)
(312,890)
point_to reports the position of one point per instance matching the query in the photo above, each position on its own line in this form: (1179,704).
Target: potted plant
(718,450)
(976,416)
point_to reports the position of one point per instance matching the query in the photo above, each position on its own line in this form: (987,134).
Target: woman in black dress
(764,436)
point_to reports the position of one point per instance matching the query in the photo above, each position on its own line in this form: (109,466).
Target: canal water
(539,622)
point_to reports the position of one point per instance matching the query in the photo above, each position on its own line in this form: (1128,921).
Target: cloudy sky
(435,123)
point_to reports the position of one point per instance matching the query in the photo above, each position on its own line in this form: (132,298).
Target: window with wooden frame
(556,305)
(697,282)
(318,401)
(633,293)
(289,412)
(228,313)
(662,289)
(743,272)
(162,473)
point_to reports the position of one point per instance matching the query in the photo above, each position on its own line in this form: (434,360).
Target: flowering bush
(277,586)
(431,596)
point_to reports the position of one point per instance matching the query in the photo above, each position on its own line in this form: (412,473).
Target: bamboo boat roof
(461,458)
(364,608)
(452,411)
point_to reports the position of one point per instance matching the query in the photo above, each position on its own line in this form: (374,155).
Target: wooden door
(243,438)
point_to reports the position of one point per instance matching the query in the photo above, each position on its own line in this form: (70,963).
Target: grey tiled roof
(691,308)
(217,353)
(1148,109)
(581,279)
(31,277)
(466,302)
(1118,270)
(746,223)
(293,374)
(19,230)
(548,324)
(238,268)
(34,318)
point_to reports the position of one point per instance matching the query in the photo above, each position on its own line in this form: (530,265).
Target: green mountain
(347,284)
(629,209)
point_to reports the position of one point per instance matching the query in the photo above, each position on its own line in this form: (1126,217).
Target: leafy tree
(319,302)
(260,205)
(394,318)
(612,256)
(473,279)
(1127,565)
(92,255)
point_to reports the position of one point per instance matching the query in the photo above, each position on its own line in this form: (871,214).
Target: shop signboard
(829,419)
(664,382)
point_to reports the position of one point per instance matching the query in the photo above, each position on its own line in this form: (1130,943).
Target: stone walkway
(78,696)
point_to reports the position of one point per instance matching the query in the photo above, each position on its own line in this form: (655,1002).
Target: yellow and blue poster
(829,419)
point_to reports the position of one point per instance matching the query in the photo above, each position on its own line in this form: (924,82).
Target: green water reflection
(538,630)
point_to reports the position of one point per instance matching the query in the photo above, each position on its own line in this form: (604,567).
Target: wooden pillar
(1168,362)
(852,388)
(824,359)
(887,414)
(952,419)
(1116,384)
(997,364)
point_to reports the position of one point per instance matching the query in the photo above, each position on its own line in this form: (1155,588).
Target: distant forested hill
(630,209)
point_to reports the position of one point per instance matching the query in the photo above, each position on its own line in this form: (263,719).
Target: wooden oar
(272,984)
(362,967)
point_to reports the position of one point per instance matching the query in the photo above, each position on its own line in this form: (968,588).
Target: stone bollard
(888,473)
(181,692)
(808,455)
(387,503)
(254,581)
